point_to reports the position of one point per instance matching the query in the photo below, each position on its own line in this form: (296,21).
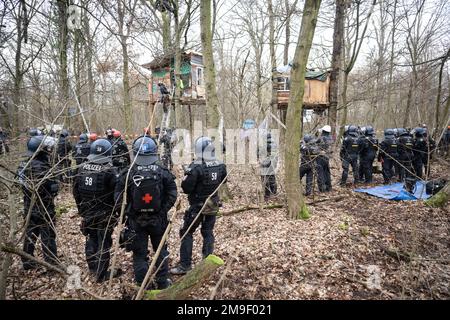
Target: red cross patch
(147,198)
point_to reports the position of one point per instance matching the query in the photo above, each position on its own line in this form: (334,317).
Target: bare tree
(296,204)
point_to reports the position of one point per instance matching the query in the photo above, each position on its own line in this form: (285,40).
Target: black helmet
(64,133)
(369,131)
(145,150)
(84,138)
(307,138)
(204,149)
(419,132)
(389,132)
(402,132)
(41,144)
(100,151)
(34,132)
(352,130)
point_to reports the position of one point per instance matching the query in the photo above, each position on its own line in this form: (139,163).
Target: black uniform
(63,152)
(351,147)
(166,140)
(388,155)
(369,147)
(93,190)
(423,148)
(310,167)
(151,193)
(4,148)
(120,153)
(323,161)
(200,181)
(81,152)
(406,155)
(41,208)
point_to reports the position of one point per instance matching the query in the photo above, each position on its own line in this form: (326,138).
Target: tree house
(317,90)
(192,77)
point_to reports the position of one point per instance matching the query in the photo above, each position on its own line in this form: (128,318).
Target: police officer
(420,149)
(109,133)
(388,154)
(307,162)
(4,148)
(406,156)
(167,142)
(325,143)
(201,180)
(268,164)
(120,152)
(151,192)
(369,147)
(39,203)
(93,191)
(82,149)
(351,147)
(63,152)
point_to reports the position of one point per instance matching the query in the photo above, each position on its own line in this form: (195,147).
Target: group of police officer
(103,178)
(404,153)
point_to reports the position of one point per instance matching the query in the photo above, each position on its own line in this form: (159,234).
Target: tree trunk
(12,231)
(181,289)
(391,61)
(336,62)
(438,98)
(90,77)
(273,60)
(296,204)
(440,199)
(63,40)
(344,106)
(127,112)
(212,102)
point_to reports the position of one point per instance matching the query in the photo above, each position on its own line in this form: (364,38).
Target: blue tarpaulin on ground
(397,192)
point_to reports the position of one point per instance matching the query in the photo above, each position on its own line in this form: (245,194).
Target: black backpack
(434,186)
(146,191)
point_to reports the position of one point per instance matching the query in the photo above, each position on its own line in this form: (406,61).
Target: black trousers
(40,227)
(418,166)
(269,185)
(307,170)
(154,229)
(324,174)
(98,246)
(366,169)
(346,163)
(207,223)
(388,169)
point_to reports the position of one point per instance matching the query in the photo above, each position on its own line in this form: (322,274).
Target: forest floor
(353,247)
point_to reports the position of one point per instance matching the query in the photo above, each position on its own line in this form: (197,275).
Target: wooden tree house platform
(317,91)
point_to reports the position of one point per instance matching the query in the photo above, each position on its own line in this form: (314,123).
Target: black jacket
(202,179)
(37,175)
(93,189)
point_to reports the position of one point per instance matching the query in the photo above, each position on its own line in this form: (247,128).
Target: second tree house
(317,90)
(192,77)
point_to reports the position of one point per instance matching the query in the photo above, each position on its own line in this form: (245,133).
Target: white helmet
(327,128)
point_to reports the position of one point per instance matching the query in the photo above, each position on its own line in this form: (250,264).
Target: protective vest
(352,145)
(92,180)
(391,146)
(406,147)
(211,173)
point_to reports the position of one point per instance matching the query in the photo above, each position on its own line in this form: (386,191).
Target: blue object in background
(249,124)
(397,192)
